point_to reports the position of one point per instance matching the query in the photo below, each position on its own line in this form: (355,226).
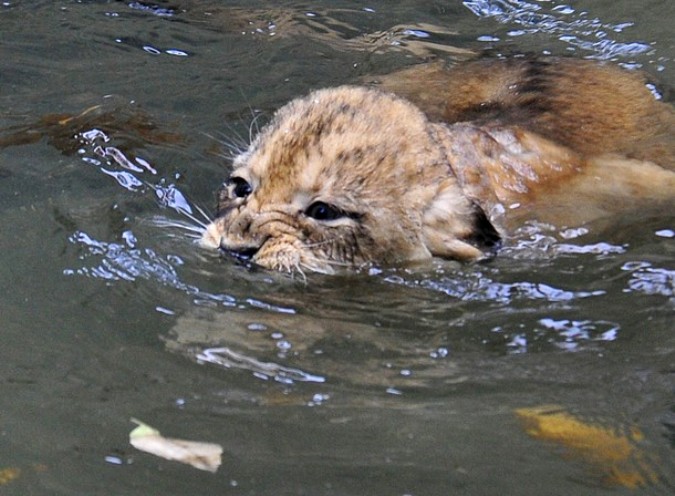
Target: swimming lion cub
(355,175)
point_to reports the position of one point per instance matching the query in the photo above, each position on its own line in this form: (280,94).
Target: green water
(392,382)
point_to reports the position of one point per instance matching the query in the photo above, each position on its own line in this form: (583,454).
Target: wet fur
(444,176)
(589,107)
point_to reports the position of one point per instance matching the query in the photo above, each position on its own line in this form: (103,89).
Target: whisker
(298,270)
(235,148)
(185,212)
(235,142)
(250,109)
(191,236)
(203,213)
(240,141)
(254,123)
(185,226)
(329,261)
(195,219)
(328,242)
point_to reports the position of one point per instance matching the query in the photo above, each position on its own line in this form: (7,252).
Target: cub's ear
(455,227)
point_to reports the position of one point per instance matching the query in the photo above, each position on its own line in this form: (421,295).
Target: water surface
(116,121)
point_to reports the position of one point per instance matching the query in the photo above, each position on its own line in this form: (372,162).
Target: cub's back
(591,107)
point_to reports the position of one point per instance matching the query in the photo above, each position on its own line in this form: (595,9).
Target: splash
(131,172)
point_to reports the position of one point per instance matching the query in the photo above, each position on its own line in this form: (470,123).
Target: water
(112,122)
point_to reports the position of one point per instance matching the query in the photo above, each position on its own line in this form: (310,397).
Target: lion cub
(353,175)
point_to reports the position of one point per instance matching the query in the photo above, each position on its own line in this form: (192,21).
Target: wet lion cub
(355,175)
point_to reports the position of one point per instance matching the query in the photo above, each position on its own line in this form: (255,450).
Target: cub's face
(343,178)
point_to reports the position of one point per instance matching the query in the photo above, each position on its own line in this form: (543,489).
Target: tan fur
(589,107)
(405,186)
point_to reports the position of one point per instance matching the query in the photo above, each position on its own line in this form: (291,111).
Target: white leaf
(204,456)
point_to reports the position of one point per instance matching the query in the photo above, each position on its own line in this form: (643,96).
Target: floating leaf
(204,456)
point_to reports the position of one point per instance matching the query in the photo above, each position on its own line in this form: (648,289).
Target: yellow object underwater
(8,474)
(608,452)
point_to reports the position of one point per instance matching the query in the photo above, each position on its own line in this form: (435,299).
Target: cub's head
(342,178)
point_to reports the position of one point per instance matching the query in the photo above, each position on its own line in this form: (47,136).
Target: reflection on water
(227,358)
(475,286)
(399,380)
(562,21)
(650,280)
(125,262)
(157,10)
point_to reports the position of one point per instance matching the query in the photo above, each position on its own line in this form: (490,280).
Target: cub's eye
(241,188)
(323,211)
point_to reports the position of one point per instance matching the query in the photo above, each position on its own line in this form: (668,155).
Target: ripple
(128,263)
(131,171)
(563,334)
(152,9)
(227,358)
(650,280)
(478,287)
(575,332)
(560,20)
(535,240)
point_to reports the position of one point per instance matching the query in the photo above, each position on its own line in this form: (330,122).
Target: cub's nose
(243,253)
